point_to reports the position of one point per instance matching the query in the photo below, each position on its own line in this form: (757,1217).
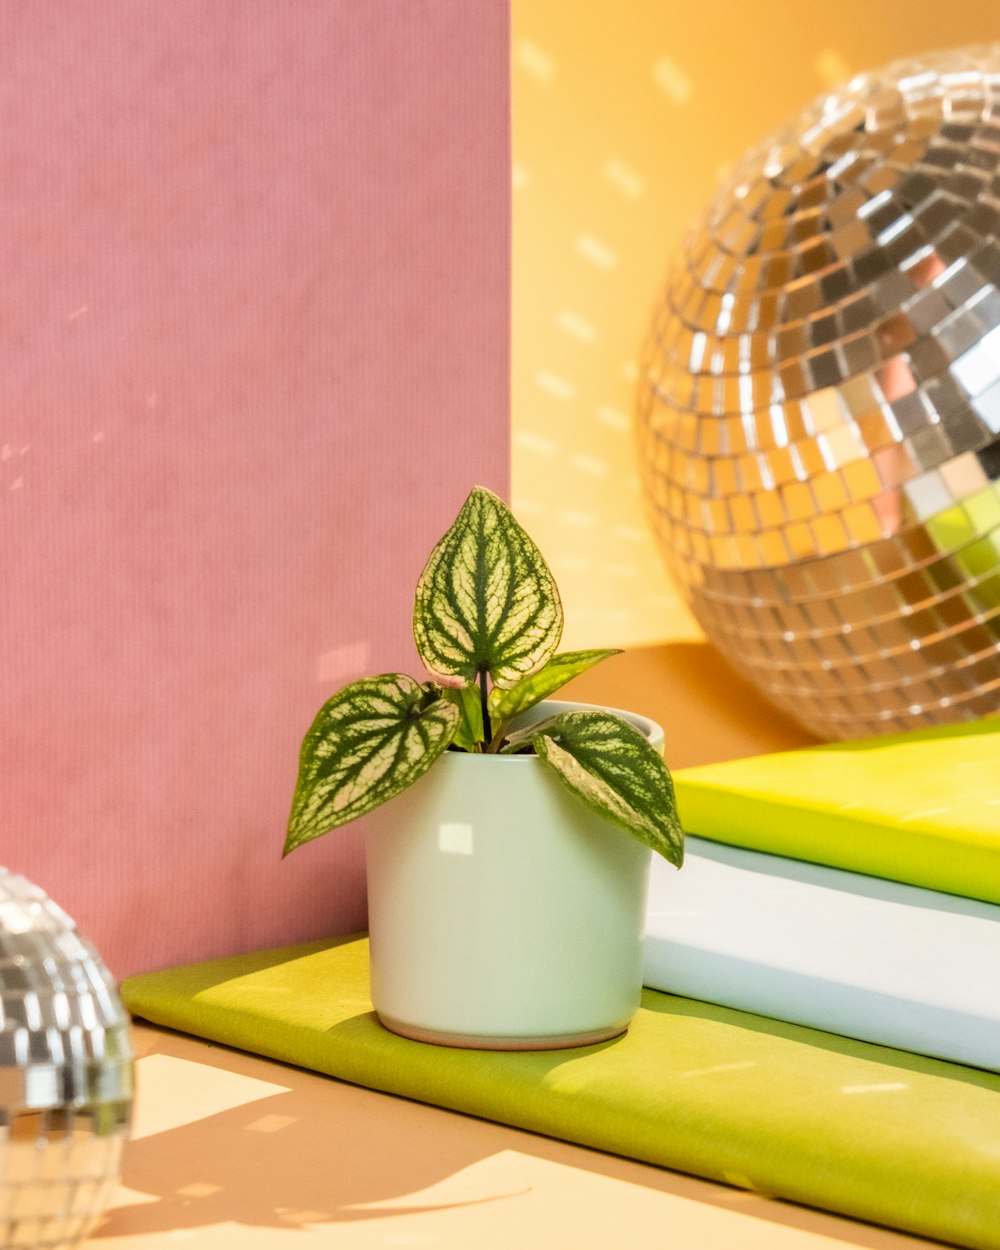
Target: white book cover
(868,958)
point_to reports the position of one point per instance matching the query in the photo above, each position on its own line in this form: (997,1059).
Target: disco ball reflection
(819,405)
(65,1074)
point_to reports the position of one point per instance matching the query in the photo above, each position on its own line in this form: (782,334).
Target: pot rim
(652,731)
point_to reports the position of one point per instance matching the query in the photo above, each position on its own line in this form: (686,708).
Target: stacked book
(852,887)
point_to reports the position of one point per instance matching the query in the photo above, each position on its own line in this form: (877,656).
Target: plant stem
(487,728)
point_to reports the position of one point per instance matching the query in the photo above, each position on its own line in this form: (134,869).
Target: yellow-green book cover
(921,807)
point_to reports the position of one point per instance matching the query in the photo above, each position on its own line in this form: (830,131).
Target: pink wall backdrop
(255,351)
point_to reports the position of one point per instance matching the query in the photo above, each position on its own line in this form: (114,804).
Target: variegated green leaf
(368,743)
(486,601)
(470,728)
(503,704)
(610,766)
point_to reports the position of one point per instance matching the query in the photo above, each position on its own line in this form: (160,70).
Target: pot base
(563,1041)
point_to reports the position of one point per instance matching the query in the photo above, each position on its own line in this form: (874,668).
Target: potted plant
(507,881)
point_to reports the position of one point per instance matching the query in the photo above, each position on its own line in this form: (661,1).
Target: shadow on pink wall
(256,352)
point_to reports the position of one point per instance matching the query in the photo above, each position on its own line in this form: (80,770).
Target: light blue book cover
(860,956)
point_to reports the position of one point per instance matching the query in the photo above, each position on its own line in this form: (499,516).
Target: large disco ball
(65,1074)
(819,405)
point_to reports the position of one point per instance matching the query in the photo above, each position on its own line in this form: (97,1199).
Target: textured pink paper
(255,332)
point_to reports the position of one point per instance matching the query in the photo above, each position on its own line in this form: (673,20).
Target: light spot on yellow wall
(519,176)
(614,419)
(832,67)
(631,534)
(672,80)
(555,385)
(576,325)
(538,63)
(617,618)
(590,464)
(596,251)
(624,178)
(577,520)
(537,444)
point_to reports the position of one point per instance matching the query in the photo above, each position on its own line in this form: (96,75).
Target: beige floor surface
(233,1151)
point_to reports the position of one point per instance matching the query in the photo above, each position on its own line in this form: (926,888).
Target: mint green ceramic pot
(503,913)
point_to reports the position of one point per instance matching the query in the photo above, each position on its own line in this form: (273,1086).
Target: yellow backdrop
(625,115)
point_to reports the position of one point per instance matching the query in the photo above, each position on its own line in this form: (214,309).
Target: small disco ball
(819,405)
(65,1074)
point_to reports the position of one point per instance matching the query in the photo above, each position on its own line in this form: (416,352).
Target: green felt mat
(921,807)
(873,1133)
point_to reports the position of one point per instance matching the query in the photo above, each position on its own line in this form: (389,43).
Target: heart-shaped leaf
(503,704)
(368,743)
(611,766)
(486,601)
